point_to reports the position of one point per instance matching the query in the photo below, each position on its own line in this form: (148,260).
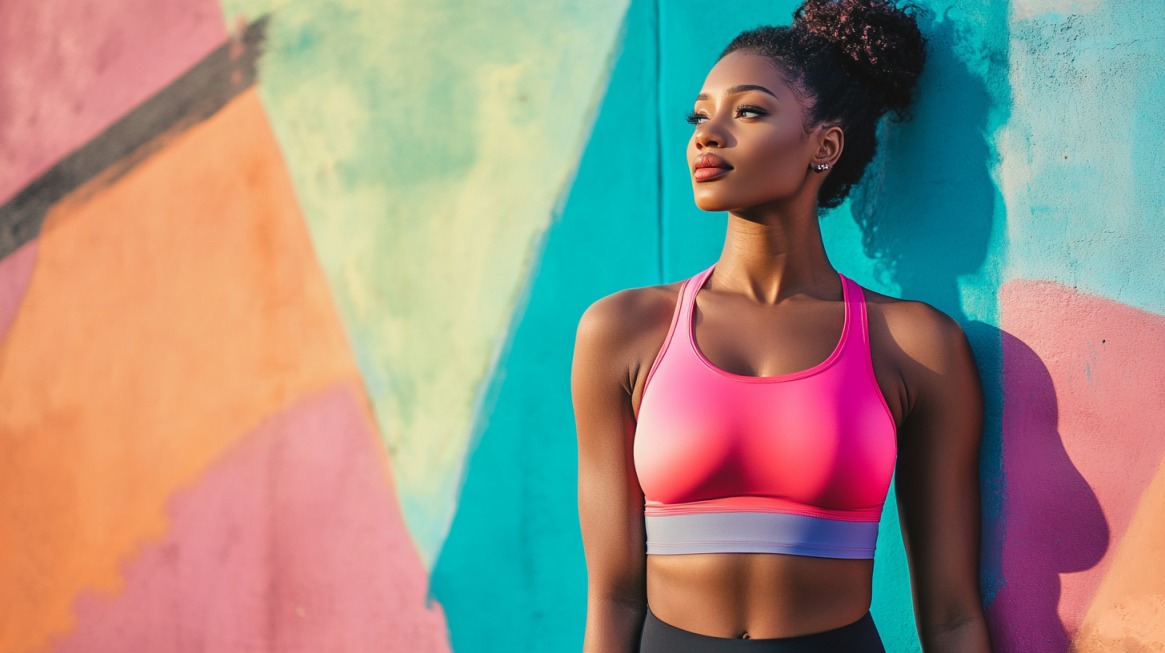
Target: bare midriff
(758,595)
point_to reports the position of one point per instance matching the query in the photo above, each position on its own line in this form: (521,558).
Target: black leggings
(860,636)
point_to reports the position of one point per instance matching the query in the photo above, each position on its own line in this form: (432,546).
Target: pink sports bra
(798,463)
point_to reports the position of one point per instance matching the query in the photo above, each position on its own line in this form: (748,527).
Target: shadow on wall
(1055,524)
(926,210)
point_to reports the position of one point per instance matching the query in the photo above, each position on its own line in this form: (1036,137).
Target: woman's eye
(696,118)
(746,108)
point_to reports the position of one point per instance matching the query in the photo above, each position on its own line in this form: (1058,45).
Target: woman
(737,430)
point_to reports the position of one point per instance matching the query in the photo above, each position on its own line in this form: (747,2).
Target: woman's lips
(708,166)
(705,174)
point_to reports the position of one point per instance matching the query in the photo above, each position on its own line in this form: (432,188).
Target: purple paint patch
(291,542)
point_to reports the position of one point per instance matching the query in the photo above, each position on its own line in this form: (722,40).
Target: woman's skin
(773,305)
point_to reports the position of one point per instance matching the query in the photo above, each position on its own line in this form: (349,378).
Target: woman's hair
(851,61)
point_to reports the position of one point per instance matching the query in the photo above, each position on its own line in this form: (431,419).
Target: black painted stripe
(192,98)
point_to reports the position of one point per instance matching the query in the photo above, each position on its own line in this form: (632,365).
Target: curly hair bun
(880,40)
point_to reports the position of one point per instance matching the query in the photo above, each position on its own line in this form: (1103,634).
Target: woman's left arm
(937,482)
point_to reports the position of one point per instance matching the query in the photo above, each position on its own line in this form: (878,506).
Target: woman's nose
(708,134)
(707,142)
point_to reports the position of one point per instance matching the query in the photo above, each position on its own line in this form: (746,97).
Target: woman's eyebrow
(740,88)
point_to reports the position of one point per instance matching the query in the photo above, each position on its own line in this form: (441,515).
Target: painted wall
(288,294)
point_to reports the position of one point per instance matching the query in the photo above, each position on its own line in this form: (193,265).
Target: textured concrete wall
(288,294)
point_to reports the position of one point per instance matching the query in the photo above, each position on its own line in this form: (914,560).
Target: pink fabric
(819,442)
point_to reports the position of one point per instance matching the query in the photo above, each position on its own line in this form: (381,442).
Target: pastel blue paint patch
(1086,152)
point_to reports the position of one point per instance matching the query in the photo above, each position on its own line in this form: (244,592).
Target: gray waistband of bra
(760,532)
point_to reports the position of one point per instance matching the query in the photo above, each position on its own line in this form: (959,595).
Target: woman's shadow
(927,211)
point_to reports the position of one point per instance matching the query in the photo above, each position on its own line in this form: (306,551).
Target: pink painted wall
(1083,385)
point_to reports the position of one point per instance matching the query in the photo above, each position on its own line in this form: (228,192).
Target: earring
(820,167)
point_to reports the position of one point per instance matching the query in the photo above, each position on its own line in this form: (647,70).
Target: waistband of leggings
(823,637)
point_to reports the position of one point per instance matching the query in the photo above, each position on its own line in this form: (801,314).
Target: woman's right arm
(610,501)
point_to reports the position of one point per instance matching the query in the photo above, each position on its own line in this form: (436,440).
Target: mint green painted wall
(429,144)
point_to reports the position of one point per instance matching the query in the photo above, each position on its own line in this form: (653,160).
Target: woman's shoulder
(625,316)
(908,314)
(617,331)
(915,329)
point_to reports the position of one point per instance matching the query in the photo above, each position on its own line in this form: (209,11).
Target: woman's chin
(711,204)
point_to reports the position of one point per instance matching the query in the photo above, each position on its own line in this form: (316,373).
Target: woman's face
(747,115)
